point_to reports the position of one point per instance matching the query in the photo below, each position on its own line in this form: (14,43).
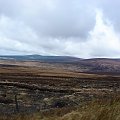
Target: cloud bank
(60,27)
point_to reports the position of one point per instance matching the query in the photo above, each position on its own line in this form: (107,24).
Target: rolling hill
(94,65)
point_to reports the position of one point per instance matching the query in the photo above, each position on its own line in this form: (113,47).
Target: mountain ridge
(93,65)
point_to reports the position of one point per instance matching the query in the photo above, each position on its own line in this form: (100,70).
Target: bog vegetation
(34,93)
(95,110)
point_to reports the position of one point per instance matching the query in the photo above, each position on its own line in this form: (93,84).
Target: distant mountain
(95,65)
(40,58)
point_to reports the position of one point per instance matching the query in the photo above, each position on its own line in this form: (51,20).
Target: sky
(80,28)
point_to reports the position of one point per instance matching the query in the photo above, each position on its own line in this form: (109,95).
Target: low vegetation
(41,93)
(95,110)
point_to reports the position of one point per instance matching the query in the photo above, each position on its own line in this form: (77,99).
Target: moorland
(59,88)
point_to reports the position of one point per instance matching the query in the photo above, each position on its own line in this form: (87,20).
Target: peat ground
(42,88)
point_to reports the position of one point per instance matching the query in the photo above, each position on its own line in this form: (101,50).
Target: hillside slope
(95,65)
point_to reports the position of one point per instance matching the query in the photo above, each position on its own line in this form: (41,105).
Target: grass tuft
(96,110)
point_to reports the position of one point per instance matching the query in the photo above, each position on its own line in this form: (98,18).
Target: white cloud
(58,27)
(104,40)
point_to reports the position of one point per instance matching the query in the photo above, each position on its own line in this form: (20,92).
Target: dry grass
(96,110)
(86,83)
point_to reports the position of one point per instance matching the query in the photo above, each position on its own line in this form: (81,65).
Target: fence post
(15,91)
